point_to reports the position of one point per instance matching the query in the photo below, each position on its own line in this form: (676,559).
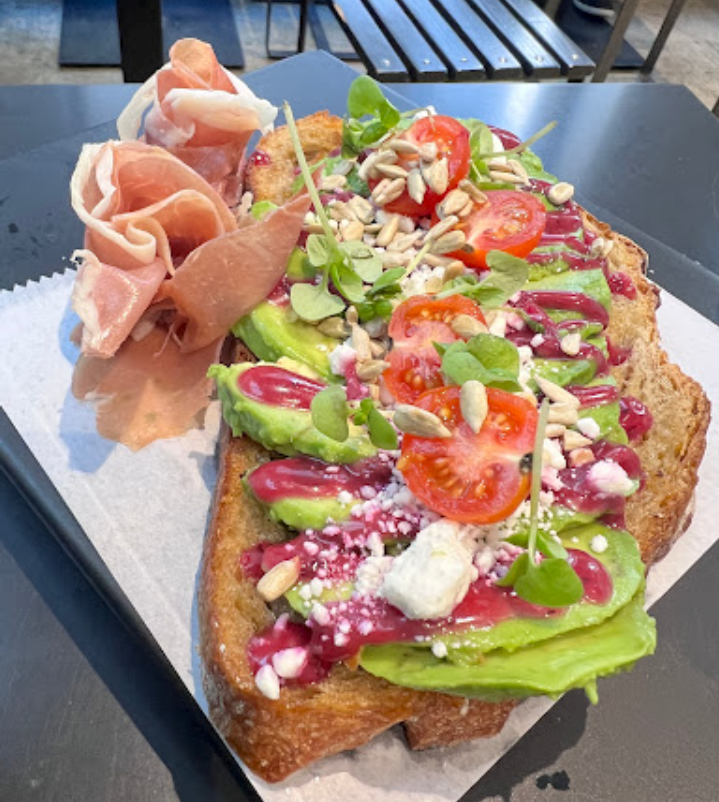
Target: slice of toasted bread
(276,738)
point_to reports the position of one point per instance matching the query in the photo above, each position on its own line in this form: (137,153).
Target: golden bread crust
(320,134)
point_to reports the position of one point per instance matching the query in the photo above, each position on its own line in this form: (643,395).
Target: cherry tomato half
(473,478)
(510,221)
(452,141)
(416,325)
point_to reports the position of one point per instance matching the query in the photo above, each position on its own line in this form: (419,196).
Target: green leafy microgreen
(378,307)
(360,416)
(365,260)
(381,431)
(546,544)
(313,301)
(347,282)
(317,250)
(262,209)
(553,582)
(522,146)
(329,412)
(386,280)
(508,274)
(491,360)
(365,99)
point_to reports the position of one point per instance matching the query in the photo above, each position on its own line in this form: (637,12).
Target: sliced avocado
(288,431)
(621,560)
(270,334)
(299,267)
(310,513)
(590,282)
(573,660)
(342,591)
(565,371)
(606,416)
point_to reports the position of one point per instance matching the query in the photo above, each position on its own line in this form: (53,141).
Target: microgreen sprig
(508,274)
(330,412)
(552,582)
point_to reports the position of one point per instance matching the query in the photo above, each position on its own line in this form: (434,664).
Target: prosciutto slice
(227,277)
(110,301)
(201,113)
(148,390)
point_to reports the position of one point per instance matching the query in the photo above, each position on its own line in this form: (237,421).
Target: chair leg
(715,110)
(301,33)
(669,21)
(551,7)
(608,57)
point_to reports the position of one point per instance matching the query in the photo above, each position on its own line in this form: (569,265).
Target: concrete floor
(30,37)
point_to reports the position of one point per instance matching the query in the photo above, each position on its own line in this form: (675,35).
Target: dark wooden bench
(453,40)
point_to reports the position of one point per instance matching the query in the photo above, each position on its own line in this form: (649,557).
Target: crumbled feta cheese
(537,340)
(341,358)
(484,560)
(608,477)
(289,663)
(498,326)
(345,497)
(305,592)
(439,649)
(550,478)
(598,544)
(432,576)
(589,428)
(371,574)
(268,682)
(316,586)
(340,639)
(320,614)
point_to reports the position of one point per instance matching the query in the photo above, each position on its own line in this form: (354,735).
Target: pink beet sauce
(635,418)
(269,384)
(260,159)
(594,396)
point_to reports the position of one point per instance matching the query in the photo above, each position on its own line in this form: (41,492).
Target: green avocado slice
(288,431)
(590,282)
(622,562)
(309,513)
(270,334)
(573,660)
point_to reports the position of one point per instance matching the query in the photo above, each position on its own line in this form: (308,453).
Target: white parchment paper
(146,513)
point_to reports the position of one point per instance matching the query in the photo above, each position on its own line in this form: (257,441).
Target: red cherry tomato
(416,325)
(468,477)
(452,141)
(510,221)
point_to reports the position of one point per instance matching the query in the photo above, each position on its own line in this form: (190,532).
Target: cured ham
(110,301)
(201,113)
(227,277)
(149,390)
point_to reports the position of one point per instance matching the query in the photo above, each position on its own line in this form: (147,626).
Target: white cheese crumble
(608,477)
(552,455)
(341,358)
(431,577)
(589,428)
(598,544)
(268,683)
(439,649)
(288,663)
(371,574)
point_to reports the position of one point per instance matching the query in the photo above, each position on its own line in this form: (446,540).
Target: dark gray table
(86,711)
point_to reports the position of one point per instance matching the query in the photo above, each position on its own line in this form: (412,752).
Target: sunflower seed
(371,369)
(434,260)
(315,228)
(374,392)
(473,403)
(556,393)
(391,170)
(391,192)
(395,258)
(433,285)
(452,203)
(419,422)
(367,168)
(581,456)
(555,430)
(428,151)
(372,228)
(387,234)
(466,210)
(474,193)
(437,176)
(442,227)
(518,169)
(560,193)
(416,185)
(351,315)
(571,343)
(380,188)
(561,413)
(334,327)
(361,208)
(601,247)
(506,178)
(404,241)
(278,580)
(360,342)
(353,231)
(467,326)
(574,440)
(331,182)
(406,225)
(401,146)
(338,210)
(378,350)
(454,269)
(449,242)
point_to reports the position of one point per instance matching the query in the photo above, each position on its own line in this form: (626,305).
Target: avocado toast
(402,557)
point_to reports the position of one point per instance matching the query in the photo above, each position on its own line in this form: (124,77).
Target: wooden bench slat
(423,62)
(575,62)
(462,60)
(371,44)
(497,55)
(536,59)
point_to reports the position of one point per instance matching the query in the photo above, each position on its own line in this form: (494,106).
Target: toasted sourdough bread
(276,738)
